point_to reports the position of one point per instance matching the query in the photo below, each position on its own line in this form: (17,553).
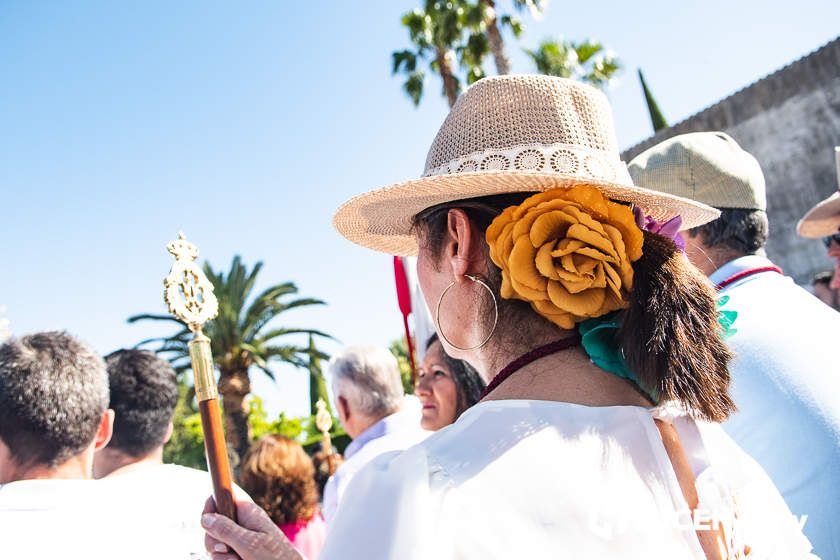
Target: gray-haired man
(373,410)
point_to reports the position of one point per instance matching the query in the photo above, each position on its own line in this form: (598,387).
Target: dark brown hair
(670,335)
(279,475)
(468,383)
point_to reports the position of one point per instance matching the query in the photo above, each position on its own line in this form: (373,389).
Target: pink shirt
(307,536)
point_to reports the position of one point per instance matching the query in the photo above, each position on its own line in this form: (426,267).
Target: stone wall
(790,121)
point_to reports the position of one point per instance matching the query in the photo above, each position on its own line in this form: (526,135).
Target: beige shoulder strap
(713,541)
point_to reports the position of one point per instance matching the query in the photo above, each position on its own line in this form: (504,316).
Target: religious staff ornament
(324,421)
(189,295)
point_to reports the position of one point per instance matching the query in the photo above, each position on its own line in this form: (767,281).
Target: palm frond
(289,353)
(266,370)
(413,87)
(271,311)
(587,49)
(157,339)
(274,333)
(512,23)
(239,335)
(152,317)
(265,300)
(405,61)
(418,24)
(536,7)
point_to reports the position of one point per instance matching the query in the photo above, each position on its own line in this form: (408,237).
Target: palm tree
(242,338)
(588,61)
(443,33)
(491,24)
(434,31)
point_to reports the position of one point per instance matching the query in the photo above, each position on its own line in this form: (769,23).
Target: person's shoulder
(163,471)
(48,494)
(395,441)
(175,480)
(429,446)
(171,469)
(773,300)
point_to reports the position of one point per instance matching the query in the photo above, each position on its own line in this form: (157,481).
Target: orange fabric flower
(568,252)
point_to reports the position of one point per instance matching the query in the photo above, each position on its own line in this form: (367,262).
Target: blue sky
(247,124)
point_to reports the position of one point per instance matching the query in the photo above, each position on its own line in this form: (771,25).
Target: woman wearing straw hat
(601,346)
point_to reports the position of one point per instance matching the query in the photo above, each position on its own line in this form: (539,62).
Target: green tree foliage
(186,447)
(399,348)
(243,337)
(451,38)
(657,119)
(444,39)
(587,61)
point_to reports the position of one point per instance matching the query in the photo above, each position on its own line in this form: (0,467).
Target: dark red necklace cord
(746,273)
(525,359)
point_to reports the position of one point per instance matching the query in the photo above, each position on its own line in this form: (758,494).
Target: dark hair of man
(468,383)
(744,231)
(144,393)
(53,391)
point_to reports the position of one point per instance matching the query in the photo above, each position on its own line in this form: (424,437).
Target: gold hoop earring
(495,318)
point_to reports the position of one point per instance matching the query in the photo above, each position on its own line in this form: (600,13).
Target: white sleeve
(388,511)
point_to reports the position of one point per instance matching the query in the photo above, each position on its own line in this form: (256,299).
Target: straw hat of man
(823,221)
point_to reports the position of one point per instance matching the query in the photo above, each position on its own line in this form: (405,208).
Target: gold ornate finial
(187,291)
(323,419)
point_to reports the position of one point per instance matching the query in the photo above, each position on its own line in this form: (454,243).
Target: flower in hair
(568,252)
(669,229)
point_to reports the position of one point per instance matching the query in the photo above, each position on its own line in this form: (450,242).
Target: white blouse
(543,479)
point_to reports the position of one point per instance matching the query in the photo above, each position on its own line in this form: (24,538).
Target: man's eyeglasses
(835,238)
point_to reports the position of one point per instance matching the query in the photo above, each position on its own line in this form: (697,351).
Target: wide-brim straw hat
(506,134)
(822,220)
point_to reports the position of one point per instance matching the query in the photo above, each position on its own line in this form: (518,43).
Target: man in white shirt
(784,378)
(373,410)
(53,416)
(143,395)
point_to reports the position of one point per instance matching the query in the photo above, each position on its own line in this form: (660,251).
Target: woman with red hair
(280,477)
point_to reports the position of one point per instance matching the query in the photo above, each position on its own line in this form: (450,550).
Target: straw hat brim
(822,220)
(382,219)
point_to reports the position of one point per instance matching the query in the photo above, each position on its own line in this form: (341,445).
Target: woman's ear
(463,249)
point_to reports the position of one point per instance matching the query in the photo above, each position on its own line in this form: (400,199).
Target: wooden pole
(189,295)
